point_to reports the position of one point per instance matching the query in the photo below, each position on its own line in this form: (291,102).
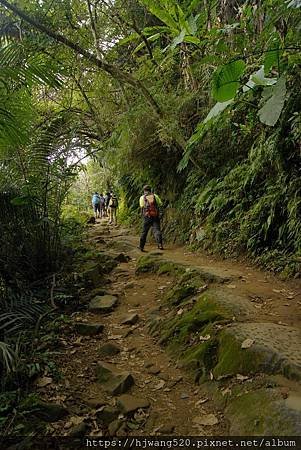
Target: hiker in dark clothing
(150,204)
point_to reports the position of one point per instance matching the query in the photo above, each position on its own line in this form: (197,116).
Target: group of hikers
(150,207)
(105,206)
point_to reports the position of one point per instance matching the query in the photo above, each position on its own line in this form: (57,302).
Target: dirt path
(176,403)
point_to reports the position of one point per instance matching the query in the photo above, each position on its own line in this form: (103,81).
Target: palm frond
(7,357)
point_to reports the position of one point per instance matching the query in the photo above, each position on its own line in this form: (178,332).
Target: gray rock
(130,319)
(78,430)
(107,414)
(50,412)
(88,329)
(109,349)
(103,304)
(113,380)
(128,403)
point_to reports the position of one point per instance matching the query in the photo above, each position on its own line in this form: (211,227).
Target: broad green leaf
(225,81)
(271,110)
(217,109)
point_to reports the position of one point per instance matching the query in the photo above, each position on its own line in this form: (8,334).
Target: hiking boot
(160,247)
(142,249)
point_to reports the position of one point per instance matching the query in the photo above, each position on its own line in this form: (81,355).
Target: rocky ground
(175,343)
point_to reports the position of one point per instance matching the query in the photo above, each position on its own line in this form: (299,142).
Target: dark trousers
(149,222)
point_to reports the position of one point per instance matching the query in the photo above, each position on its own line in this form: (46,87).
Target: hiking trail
(118,377)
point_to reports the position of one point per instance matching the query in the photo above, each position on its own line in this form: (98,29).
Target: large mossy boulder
(153,262)
(207,336)
(262,412)
(190,325)
(275,350)
(156,263)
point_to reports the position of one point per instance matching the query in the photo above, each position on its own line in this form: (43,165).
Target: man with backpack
(113,205)
(96,204)
(150,205)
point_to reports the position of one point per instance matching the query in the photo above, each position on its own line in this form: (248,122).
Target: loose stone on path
(128,403)
(113,380)
(103,304)
(88,329)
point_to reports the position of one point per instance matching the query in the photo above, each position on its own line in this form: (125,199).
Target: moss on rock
(155,264)
(184,335)
(232,359)
(262,412)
